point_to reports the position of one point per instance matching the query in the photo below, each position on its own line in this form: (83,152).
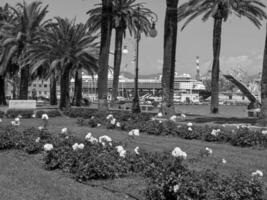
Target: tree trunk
(263,114)
(64,88)
(168,72)
(106,28)
(53,89)
(2,91)
(78,88)
(217,31)
(117,62)
(24,83)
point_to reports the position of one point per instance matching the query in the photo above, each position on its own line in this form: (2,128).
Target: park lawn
(238,159)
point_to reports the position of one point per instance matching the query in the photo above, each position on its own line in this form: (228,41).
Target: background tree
(29,18)
(124,17)
(65,47)
(168,71)
(219,10)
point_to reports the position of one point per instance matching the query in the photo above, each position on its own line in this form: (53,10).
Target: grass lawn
(54,185)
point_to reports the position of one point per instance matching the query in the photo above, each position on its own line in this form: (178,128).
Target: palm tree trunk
(117,62)
(217,31)
(2,91)
(64,88)
(263,114)
(53,89)
(168,72)
(106,28)
(24,83)
(78,88)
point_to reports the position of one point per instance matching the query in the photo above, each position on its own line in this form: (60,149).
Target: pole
(136,105)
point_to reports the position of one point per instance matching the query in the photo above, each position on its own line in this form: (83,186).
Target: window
(45,92)
(40,92)
(45,85)
(40,85)
(34,85)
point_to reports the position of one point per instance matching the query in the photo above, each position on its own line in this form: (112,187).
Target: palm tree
(64,47)
(170,39)
(263,115)
(219,10)
(29,18)
(106,28)
(124,17)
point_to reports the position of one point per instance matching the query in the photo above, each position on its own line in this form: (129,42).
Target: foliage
(13,113)
(2,114)
(50,113)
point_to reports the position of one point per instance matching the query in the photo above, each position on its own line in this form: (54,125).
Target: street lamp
(152,33)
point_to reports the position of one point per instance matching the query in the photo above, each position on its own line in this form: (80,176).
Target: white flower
(215,132)
(38,140)
(224,161)
(257,173)
(75,146)
(92,117)
(113,121)
(159,114)
(88,136)
(103,139)
(122,153)
(189,124)
(160,121)
(98,125)
(19,116)
(176,188)
(64,130)
(189,128)
(48,147)
(17,119)
(183,115)
(134,132)
(93,140)
(119,148)
(118,124)
(40,128)
(153,119)
(81,146)
(209,150)
(33,115)
(45,117)
(13,123)
(0,120)
(109,116)
(264,132)
(173,118)
(177,152)
(136,150)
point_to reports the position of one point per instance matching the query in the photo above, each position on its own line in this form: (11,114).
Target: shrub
(13,113)
(50,113)
(245,137)
(2,114)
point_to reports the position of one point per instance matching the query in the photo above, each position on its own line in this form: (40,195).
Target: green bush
(2,114)
(50,113)
(13,113)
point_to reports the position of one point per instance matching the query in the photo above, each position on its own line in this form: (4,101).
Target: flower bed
(92,159)
(241,136)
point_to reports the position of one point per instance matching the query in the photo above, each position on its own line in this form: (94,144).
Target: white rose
(48,147)
(81,146)
(64,130)
(189,124)
(45,117)
(177,152)
(75,146)
(88,136)
(257,173)
(113,121)
(209,150)
(224,161)
(136,150)
(38,140)
(159,114)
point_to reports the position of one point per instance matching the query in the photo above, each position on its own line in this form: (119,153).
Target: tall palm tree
(170,39)
(219,10)
(263,115)
(124,17)
(64,47)
(29,18)
(106,28)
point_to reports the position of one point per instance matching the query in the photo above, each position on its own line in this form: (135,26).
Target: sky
(242,43)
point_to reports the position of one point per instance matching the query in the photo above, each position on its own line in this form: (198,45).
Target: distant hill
(148,76)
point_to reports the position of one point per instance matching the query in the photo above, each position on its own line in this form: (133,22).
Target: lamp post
(152,33)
